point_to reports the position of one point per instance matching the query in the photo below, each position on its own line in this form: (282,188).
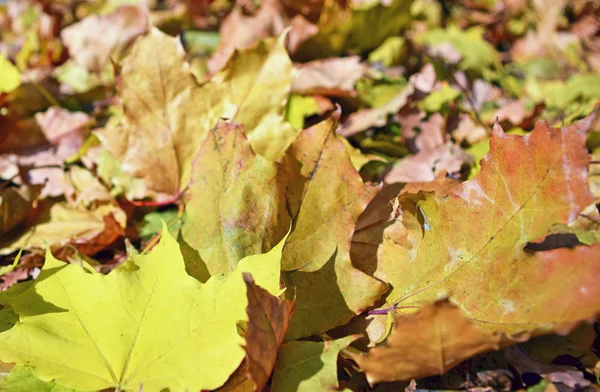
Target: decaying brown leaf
(430,342)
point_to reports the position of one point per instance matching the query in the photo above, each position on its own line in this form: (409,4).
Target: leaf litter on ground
(358,195)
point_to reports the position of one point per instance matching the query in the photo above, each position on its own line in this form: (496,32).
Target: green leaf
(10,77)
(145,325)
(153,221)
(389,52)
(349,28)
(439,99)
(299,107)
(21,378)
(477,53)
(201,43)
(308,366)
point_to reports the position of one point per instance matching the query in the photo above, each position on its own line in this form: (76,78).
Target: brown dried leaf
(15,205)
(430,342)
(268,319)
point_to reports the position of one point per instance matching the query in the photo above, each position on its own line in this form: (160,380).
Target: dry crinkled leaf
(430,342)
(524,362)
(94,40)
(469,243)
(237,204)
(50,173)
(65,133)
(308,366)
(167,115)
(268,320)
(335,76)
(145,325)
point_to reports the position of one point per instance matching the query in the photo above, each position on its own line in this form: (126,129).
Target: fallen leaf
(237,203)
(378,221)
(469,131)
(308,366)
(268,320)
(428,164)
(45,168)
(16,204)
(198,349)
(93,51)
(476,52)
(254,89)
(349,27)
(435,155)
(431,342)
(21,378)
(88,190)
(162,125)
(61,225)
(326,199)
(327,205)
(12,277)
(63,128)
(11,77)
(162,131)
(469,243)
(239,31)
(376,117)
(524,363)
(334,76)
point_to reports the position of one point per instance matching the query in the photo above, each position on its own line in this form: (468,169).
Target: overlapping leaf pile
(299,201)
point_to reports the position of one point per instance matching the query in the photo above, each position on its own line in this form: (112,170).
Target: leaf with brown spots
(237,204)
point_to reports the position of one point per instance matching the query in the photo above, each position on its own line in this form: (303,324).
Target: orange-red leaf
(471,247)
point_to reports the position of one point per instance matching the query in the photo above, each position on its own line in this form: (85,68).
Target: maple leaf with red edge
(470,244)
